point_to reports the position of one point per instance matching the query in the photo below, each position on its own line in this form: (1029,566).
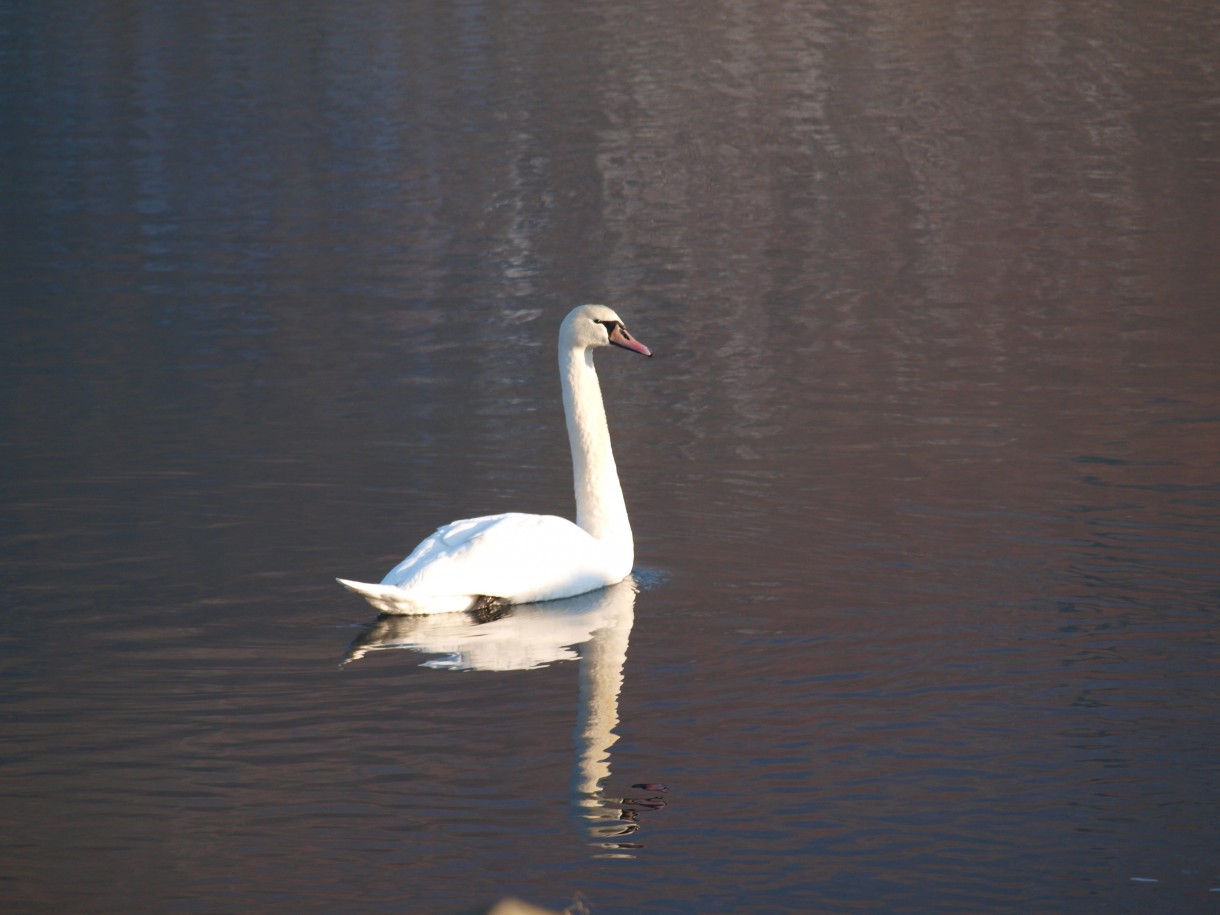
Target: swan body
(517,558)
(512,558)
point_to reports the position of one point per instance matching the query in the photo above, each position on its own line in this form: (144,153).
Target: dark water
(925,476)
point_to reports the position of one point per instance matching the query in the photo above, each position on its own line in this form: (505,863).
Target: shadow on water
(594,628)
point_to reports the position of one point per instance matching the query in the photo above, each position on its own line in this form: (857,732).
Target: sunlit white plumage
(518,558)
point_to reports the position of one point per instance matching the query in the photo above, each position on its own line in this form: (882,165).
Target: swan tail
(395,600)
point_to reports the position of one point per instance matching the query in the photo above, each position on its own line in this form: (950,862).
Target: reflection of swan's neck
(600,509)
(601,678)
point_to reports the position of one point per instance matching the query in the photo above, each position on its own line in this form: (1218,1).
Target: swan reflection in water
(526,636)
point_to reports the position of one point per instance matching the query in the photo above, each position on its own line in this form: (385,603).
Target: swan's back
(516,557)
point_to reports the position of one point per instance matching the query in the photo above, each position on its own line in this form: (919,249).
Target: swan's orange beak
(620,337)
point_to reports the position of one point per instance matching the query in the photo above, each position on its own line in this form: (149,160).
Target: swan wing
(516,557)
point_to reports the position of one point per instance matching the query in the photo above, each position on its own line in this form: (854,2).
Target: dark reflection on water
(928,455)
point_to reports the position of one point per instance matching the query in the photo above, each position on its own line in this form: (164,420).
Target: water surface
(924,475)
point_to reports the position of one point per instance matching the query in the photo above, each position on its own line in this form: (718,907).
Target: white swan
(516,558)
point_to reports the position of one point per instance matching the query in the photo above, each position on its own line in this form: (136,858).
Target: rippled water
(925,477)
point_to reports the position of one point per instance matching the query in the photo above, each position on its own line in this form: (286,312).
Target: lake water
(924,475)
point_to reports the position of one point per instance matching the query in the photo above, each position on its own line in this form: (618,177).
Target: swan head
(588,326)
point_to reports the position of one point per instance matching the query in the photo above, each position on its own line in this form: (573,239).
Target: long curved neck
(600,509)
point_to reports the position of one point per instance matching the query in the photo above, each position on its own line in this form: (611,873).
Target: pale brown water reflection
(923,477)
